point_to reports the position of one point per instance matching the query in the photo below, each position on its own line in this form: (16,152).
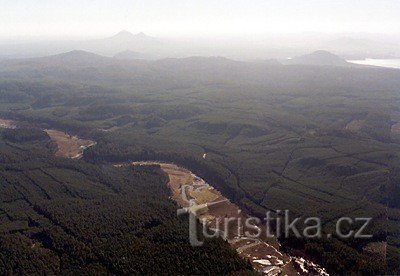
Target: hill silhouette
(321,58)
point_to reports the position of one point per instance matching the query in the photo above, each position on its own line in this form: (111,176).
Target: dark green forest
(60,217)
(318,141)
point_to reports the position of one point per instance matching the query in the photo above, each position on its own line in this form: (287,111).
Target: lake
(389,63)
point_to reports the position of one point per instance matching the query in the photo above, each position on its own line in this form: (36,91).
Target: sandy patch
(263,262)
(67,145)
(203,196)
(8,124)
(396,129)
(355,125)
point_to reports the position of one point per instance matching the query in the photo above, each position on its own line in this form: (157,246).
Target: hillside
(186,71)
(73,58)
(319,58)
(127,55)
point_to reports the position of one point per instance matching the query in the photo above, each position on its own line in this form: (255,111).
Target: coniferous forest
(319,141)
(60,216)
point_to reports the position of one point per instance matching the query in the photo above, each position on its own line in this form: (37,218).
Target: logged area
(211,207)
(67,145)
(318,141)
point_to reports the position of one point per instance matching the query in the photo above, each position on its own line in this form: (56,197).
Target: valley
(67,145)
(211,207)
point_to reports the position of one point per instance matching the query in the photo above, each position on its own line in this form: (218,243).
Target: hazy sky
(195,17)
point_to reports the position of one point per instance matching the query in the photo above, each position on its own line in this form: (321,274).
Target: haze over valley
(257,47)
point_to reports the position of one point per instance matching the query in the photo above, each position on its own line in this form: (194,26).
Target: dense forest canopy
(62,216)
(319,141)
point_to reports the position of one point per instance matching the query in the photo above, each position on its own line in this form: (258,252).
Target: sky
(91,18)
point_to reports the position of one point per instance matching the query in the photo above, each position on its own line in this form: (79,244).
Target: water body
(388,63)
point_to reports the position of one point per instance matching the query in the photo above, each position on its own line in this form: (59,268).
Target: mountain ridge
(319,58)
(126,35)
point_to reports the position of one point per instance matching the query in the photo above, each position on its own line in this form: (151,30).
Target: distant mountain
(85,67)
(110,46)
(320,58)
(76,55)
(128,36)
(74,58)
(121,42)
(124,35)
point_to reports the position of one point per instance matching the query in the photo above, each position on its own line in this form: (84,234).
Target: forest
(318,141)
(60,217)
